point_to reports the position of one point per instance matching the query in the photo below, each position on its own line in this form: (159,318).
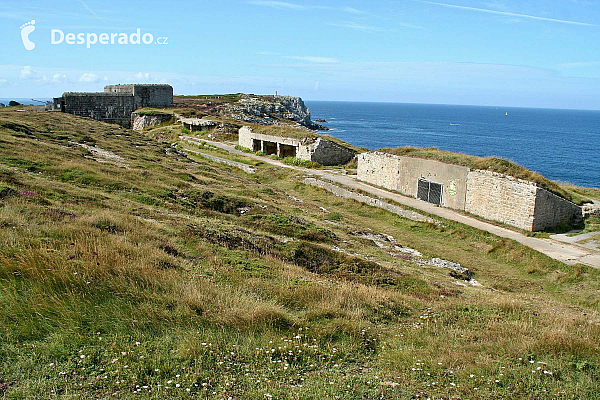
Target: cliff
(250,108)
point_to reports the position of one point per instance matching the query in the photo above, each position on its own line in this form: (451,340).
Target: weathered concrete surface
(578,239)
(117,102)
(563,252)
(402,173)
(197,124)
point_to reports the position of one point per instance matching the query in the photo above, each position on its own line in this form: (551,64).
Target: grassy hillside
(128,269)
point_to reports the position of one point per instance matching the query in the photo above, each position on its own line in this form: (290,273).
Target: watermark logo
(57,36)
(26,29)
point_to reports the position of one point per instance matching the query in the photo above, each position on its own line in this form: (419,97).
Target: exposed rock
(388,244)
(271,110)
(141,122)
(457,270)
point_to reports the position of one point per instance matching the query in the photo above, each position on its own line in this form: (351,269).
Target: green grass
(177,277)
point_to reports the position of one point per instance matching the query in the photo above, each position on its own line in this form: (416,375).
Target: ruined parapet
(310,148)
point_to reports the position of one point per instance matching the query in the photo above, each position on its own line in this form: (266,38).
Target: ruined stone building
(494,196)
(116,104)
(311,148)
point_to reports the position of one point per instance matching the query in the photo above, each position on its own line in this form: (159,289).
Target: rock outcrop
(142,121)
(271,110)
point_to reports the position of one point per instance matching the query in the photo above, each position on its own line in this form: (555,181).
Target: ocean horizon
(557,143)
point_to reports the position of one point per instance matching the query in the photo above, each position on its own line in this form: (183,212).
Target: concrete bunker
(311,148)
(116,103)
(491,195)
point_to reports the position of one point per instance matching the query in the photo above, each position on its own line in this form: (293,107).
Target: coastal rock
(141,122)
(271,110)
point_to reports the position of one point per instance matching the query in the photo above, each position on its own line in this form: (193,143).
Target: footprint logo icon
(26,29)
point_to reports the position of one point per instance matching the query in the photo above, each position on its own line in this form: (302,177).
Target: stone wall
(498,197)
(114,108)
(501,198)
(402,173)
(552,210)
(326,152)
(317,149)
(348,194)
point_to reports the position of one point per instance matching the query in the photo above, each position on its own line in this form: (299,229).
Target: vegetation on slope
(138,270)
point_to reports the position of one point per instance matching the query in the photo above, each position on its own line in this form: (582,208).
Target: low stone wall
(402,173)
(552,210)
(501,198)
(348,194)
(316,149)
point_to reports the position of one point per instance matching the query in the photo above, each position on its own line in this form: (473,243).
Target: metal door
(429,191)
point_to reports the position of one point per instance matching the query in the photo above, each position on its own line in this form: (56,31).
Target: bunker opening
(286,150)
(256,145)
(269,147)
(430,192)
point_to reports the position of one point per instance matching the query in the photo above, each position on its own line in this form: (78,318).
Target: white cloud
(143,76)
(313,59)
(360,27)
(277,4)
(579,64)
(510,14)
(352,10)
(88,77)
(28,73)
(268,53)
(59,78)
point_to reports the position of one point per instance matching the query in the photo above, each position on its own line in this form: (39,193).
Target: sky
(520,53)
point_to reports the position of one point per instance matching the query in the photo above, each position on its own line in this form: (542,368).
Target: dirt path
(565,252)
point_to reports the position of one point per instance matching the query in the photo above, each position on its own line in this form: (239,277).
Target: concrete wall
(153,95)
(323,151)
(115,108)
(552,210)
(402,173)
(501,198)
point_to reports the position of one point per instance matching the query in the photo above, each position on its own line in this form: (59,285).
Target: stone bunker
(116,104)
(317,149)
(491,195)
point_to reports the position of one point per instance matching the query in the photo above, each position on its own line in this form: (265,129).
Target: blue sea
(562,145)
